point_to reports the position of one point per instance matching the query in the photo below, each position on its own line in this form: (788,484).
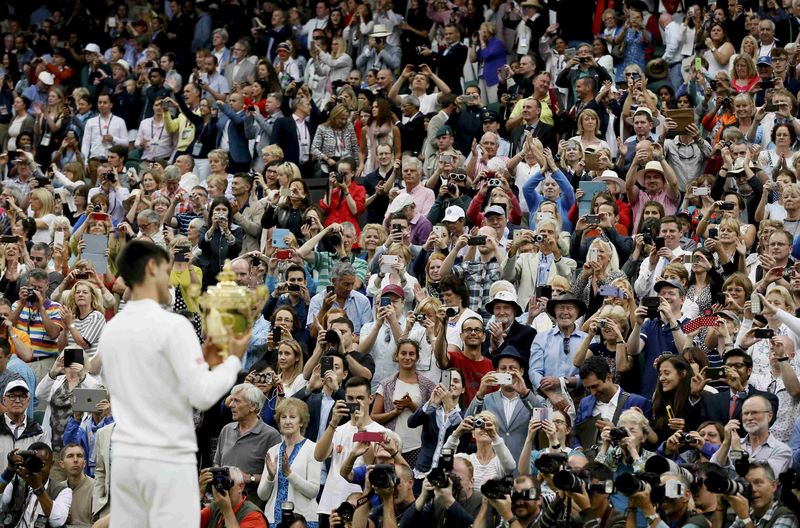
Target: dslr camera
(497,488)
(30,461)
(551,463)
(383,476)
(438,476)
(220,479)
(617,434)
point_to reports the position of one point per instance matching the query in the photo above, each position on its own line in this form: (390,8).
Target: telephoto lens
(718,483)
(550,463)
(566,480)
(628,484)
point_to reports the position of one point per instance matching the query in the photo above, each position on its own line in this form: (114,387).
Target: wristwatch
(652,518)
(38,491)
(252,478)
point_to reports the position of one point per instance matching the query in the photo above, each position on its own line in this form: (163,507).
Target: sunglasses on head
(455,176)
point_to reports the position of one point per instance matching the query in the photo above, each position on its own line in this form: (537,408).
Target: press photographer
(229,507)
(394,485)
(442,499)
(30,498)
(665,502)
(521,507)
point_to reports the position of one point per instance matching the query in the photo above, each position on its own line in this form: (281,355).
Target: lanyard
(160,131)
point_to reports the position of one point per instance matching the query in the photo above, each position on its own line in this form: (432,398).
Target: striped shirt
(31,323)
(324,263)
(90,329)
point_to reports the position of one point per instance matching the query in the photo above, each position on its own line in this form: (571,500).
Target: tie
(734,398)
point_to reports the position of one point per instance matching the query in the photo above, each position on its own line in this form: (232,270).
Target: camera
(551,463)
(397,228)
(450,311)
(630,483)
(352,407)
(566,480)
(438,476)
(538,239)
(651,303)
(220,479)
(419,49)
(617,434)
(111,177)
(479,423)
(717,482)
(383,476)
(332,338)
(602,323)
(293,287)
(345,511)
(31,461)
(528,494)
(494,182)
(497,488)
(251,108)
(648,239)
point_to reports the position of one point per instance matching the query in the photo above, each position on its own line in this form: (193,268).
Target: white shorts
(151,494)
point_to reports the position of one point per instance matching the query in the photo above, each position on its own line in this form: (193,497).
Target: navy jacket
(238,146)
(314,402)
(430,435)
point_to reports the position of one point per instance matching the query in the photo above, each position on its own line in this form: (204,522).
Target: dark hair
(286,308)
(246,177)
(678,398)
(343,320)
(336,353)
(349,161)
(133,259)
(120,151)
(787,126)
(224,201)
(598,470)
(596,365)
(696,355)
(456,285)
(41,446)
(29,226)
(73,444)
(738,352)
(294,268)
(5,346)
(358,381)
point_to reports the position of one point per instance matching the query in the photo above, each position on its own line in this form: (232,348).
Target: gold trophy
(230,308)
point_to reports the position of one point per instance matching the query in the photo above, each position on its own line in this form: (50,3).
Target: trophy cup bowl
(229,308)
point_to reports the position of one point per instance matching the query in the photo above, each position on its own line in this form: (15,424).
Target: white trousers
(154,494)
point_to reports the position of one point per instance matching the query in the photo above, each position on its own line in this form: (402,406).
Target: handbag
(618,51)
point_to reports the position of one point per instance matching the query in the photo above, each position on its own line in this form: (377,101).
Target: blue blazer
(430,436)
(237,137)
(634,400)
(314,402)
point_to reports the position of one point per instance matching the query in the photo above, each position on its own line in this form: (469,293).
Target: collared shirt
(784,521)
(161,143)
(303,138)
(116,197)
(30,321)
(673,39)
(452,419)
(183,207)
(93,146)
(777,454)
(479,277)
(545,261)
(245,451)
(219,83)
(548,357)
(15,429)
(509,404)
(423,197)
(357,307)
(606,410)
(325,408)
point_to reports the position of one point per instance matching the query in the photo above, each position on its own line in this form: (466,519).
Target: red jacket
(338,211)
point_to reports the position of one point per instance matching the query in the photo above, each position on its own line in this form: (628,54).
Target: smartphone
(669,412)
(326,364)
(698,63)
(112,22)
(673,489)
(726,206)
(611,291)
(688,258)
(182,255)
(540,413)
(713,232)
(543,216)
(277,334)
(660,243)
(292,287)
(592,219)
(700,191)
(755,303)
(767,83)
(73,355)
(278,238)
(592,255)
(387,262)
(503,378)
(386,300)
(367,437)
(283,254)
(447,158)
(9,239)
(544,291)
(715,373)
(441,231)
(770,107)
(99,216)
(328,290)
(446,379)
(58,238)
(352,407)
(477,240)
(764,333)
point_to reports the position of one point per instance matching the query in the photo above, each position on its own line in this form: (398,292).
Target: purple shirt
(420,229)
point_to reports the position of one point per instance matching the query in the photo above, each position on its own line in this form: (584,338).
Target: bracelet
(746,521)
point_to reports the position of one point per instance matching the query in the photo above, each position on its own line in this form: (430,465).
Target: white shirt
(509,404)
(58,514)
(336,488)
(302,138)
(161,143)
(98,126)
(156,376)
(673,39)
(606,410)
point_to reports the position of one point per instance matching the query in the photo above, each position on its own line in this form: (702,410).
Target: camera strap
(364,499)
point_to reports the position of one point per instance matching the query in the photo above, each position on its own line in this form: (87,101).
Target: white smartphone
(387,261)
(58,238)
(540,413)
(701,191)
(592,256)
(503,378)
(755,304)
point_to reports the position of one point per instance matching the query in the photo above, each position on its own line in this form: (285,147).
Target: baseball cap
(395,289)
(494,209)
(92,48)
(663,283)
(47,78)
(489,116)
(764,60)
(453,214)
(16,384)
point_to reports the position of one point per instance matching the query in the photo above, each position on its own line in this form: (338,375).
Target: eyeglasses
(559,422)
(17,397)
(736,366)
(745,414)
(472,330)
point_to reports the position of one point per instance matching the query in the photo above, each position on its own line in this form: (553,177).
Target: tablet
(86,400)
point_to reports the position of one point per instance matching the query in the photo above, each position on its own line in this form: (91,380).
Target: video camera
(438,476)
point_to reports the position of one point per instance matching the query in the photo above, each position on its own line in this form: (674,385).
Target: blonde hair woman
(13,261)
(290,366)
(82,318)
(372,237)
(589,131)
(339,62)
(218,165)
(290,469)
(612,326)
(41,205)
(335,139)
(599,269)
(492,460)
(422,327)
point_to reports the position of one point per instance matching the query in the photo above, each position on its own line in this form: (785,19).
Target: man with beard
(156,379)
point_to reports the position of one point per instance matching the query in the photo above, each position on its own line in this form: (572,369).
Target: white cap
(453,214)
(16,384)
(92,48)
(400,201)
(47,78)
(189,181)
